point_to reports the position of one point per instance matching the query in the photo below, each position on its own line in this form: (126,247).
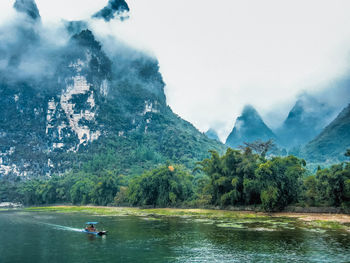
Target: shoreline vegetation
(260,221)
(243,179)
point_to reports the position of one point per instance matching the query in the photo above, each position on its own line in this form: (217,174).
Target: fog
(31,49)
(214,57)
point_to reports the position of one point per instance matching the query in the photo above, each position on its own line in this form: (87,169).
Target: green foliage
(231,177)
(269,198)
(261,147)
(161,187)
(310,190)
(280,181)
(331,185)
(76,188)
(235,178)
(80,191)
(244,178)
(105,188)
(9,189)
(122,196)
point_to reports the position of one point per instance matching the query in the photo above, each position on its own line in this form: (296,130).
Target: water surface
(55,237)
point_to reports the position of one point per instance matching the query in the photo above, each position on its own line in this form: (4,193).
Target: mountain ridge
(249,127)
(331,144)
(212,134)
(95,110)
(304,122)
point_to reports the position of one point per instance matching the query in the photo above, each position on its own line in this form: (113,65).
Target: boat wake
(67,228)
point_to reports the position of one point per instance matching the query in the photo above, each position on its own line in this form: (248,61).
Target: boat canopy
(91,223)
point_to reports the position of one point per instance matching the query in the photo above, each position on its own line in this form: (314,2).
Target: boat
(90,229)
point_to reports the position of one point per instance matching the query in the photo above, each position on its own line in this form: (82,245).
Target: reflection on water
(49,237)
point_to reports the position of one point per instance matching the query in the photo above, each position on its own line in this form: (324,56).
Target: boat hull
(97,233)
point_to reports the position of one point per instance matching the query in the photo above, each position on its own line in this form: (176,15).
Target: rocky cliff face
(55,114)
(88,105)
(249,127)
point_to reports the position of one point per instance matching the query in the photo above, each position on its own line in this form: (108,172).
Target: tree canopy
(237,178)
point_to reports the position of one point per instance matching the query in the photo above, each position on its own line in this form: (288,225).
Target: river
(57,237)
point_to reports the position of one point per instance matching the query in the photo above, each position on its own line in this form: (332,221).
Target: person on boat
(91,228)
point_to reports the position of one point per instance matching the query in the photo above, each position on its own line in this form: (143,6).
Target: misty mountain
(28,7)
(211,134)
(249,127)
(305,121)
(331,144)
(74,106)
(114,9)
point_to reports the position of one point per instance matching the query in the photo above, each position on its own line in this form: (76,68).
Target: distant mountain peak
(28,7)
(75,27)
(249,127)
(115,9)
(305,120)
(86,38)
(249,112)
(249,109)
(212,134)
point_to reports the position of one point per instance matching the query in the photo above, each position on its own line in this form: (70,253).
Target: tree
(121,197)
(105,188)
(261,147)
(232,177)
(280,181)
(310,190)
(269,198)
(161,187)
(80,192)
(30,191)
(334,185)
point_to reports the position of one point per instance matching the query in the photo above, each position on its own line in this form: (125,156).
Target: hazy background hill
(331,144)
(305,120)
(312,130)
(212,134)
(249,127)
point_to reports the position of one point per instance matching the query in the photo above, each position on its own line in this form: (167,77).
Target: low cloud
(26,49)
(214,63)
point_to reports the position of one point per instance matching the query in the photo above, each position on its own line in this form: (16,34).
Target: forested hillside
(86,107)
(331,143)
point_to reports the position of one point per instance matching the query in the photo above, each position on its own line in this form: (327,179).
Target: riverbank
(222,218)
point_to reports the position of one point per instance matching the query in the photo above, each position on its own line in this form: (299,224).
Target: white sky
(217,56)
